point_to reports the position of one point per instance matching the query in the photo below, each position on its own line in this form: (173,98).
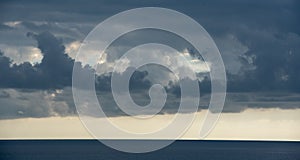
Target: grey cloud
(239,18)
(4,94)
(4,27)
(269,30)
(36,103)
(68,31)
(46,103)
(238,102)
(274,60)
(55,70)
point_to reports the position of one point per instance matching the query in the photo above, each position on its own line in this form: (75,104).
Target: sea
(181,150)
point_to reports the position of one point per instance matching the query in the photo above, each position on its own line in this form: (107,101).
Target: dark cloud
(56,65)
(69,32)
(274,59)
(217,16)
(35,103)
(4,27)
(143,36)
(269,30)
(55,70)
(40,103)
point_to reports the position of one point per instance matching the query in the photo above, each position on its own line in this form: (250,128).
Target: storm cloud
(259,43)
(55,70)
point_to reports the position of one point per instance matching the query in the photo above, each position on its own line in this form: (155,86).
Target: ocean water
(182,150)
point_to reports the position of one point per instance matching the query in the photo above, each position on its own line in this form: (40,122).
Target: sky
(259,43)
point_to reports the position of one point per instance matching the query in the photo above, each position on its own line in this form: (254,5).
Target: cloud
(4,94)
(231,50)
(21,54)
(4,27)
(273,60)
(54,71)
(238,102)
(18,103)
(239,19)
(259,43)
(56,28)
(72,48)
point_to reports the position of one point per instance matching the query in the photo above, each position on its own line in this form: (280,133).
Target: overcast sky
(258,41)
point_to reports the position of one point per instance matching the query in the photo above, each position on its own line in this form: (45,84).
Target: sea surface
(182,150)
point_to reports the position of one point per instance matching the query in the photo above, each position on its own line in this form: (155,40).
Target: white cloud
(20,54)
(13,23)
(178,62)
(197,65)
(72,48)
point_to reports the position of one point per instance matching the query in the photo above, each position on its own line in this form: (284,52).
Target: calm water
(183,150)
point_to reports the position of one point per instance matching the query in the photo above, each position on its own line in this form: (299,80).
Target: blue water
(182,150)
